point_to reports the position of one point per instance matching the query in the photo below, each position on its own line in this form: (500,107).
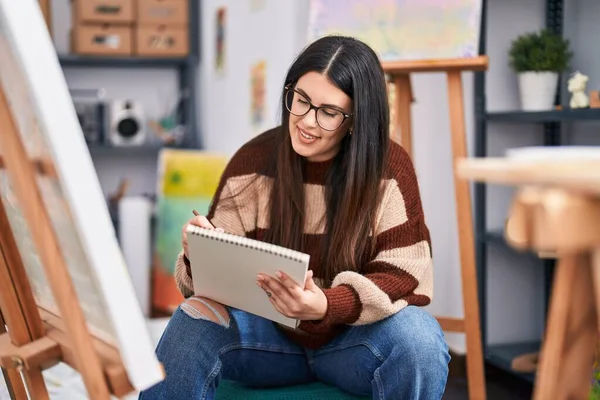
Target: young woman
(328,182)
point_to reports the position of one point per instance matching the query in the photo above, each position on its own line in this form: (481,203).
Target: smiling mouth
(306,135)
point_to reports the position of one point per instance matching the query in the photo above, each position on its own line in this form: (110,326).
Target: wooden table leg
(567,354)
(404,99)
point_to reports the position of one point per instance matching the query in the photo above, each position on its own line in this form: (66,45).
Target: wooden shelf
(123,62)
(147,150)
(545,116)
(501,356)
(496,238)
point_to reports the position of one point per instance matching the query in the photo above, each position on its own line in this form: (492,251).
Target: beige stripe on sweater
(376,304)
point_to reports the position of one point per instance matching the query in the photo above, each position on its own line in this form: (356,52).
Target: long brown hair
(352,190)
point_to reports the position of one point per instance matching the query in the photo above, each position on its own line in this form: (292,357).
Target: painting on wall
(220,36)
(258,93)
(400,30)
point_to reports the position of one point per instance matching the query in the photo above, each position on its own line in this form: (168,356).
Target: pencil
(196,213)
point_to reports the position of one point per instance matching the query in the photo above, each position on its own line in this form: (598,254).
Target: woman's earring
(350,131)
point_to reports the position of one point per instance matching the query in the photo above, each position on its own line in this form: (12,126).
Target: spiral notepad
(225,266)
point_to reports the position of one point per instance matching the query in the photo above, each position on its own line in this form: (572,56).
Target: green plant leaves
(540,51)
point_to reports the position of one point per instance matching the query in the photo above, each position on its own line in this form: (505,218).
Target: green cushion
(229,390)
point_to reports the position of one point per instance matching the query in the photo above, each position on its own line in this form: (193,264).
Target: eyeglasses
(328,118)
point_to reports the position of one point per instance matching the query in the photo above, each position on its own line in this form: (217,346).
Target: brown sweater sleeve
(401,272)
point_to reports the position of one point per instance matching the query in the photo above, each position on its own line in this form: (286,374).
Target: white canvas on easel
(38,96)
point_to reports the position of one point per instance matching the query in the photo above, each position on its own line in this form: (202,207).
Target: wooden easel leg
(596,279)
(475,367)
(19,310)
(18,333)
(404,99)
(567,354)
(24,177)
(46,7)
(13,380)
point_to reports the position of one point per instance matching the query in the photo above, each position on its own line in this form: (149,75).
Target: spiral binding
(248,243)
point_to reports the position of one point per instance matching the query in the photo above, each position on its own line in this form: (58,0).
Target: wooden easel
(557,208)
(400,74)
(38,339)
(46,8)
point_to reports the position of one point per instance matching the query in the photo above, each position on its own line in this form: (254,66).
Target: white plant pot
(537,90)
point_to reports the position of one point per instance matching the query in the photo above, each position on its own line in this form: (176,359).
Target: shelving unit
(107,150)
(186,68)
(123,62)
(544,116)
(502,355)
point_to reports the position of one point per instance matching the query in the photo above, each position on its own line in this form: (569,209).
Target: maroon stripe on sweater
(417,300)
(344,307)
(407,234)
(393,280)
(402,170)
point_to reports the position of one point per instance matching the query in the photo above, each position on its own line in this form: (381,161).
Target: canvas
(403,30)
(40,104)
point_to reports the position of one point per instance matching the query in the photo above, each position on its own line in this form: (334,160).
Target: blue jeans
(402,357)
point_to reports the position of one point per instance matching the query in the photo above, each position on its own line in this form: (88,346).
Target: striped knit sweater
(400,274)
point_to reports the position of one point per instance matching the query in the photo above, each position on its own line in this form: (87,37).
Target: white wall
(272,32)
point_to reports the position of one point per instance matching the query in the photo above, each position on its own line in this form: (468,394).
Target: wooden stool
(314,391)
(557,210)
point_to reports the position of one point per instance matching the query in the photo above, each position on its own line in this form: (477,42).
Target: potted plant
(538,58)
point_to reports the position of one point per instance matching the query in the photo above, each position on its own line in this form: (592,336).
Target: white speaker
(126,123)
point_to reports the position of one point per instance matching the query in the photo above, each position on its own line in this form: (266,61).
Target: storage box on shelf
(102,27)
(161,41)
(163,12)
(103,12)
(102,40)
(162,28)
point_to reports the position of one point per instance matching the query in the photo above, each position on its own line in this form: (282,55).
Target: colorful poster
(187,180)
(400,30)
(220,40)
(258,93)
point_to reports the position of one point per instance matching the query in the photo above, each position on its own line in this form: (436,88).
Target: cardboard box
(102,40)
(103,11)
(161,41)
(163,12)
(595,99)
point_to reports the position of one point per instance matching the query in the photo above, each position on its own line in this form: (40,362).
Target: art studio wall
(261,37)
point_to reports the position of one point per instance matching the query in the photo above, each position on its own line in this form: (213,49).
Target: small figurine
(576,87)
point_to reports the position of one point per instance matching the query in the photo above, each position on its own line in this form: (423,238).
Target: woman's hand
(202,222)
(293,301)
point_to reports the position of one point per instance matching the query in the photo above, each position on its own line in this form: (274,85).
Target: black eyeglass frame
(311,106)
